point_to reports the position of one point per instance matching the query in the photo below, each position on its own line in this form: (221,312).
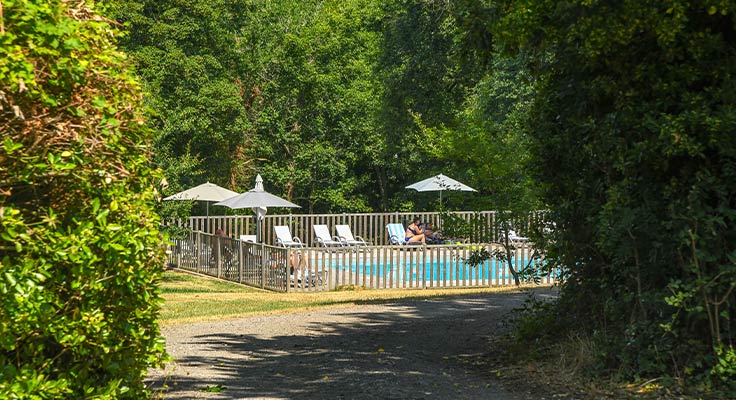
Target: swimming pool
(419,272)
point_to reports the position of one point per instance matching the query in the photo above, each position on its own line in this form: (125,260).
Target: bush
(80,251)
(632,132)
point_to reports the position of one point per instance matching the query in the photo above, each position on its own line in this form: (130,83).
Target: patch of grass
(213,389)
(186,283)
(349,288)
(191,298)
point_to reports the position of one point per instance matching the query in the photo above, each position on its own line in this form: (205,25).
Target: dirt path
(403,350)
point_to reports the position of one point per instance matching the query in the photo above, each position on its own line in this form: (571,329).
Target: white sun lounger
(347,238)
(284,238)
(322,237)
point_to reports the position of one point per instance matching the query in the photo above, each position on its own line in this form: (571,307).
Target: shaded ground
(409,349)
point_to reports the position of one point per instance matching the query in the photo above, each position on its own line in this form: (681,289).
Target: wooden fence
(321,269)
(370,226)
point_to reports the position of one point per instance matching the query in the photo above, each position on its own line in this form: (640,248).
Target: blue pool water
(436,271)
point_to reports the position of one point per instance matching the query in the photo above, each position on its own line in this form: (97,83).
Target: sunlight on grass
(190,298)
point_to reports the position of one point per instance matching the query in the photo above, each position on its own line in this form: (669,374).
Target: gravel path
(404,350)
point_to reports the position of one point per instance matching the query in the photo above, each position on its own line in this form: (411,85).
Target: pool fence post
(218,255)
(240,261)
(263,265)
(198,251)
(178,248)
(424,266)
(288,270)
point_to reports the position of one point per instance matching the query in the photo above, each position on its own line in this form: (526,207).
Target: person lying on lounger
(414,232)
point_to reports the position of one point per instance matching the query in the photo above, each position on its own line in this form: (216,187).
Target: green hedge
(80,249)
(634,134)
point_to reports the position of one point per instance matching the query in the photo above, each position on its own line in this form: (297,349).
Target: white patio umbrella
(440,183)
(205,192)
(257,199)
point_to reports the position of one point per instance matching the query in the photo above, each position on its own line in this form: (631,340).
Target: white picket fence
(370,226)
(375,267)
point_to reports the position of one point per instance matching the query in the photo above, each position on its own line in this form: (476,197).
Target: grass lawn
(192,298)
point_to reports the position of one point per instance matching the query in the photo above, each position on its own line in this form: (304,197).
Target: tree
(425,85)
(489,143)
(243,87)
(80,251)
(314,115)
(632,134)
(186,54)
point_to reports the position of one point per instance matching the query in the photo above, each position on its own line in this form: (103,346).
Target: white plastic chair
(248,238)
(322,236)
(284,238)
(346,236)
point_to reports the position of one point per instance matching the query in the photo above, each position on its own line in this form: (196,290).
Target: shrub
(632,132)
(80,251)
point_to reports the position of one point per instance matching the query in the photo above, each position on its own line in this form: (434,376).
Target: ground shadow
(414,349)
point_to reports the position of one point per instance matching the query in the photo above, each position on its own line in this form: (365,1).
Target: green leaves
(623,130)
(78,237)
(477,257)
(10,147)
(192,67)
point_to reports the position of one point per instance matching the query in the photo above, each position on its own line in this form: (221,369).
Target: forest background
(337,104)
(617,118)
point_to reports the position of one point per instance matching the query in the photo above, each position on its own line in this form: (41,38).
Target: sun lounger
(347,238)
(322,237)
(248,238)
(516,238)
(284,238)
(396,234)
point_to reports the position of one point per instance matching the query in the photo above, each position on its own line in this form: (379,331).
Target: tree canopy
(328,100)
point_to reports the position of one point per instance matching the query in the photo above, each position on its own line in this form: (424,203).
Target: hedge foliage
(80,249)
(634,132)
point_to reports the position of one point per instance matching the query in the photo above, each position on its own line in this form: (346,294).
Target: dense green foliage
(186,56)
(313,122)
(633,133)
(80,251)
(245,87)
(337,104)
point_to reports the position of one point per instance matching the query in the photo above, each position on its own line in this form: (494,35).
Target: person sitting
(222,248)
(300,270)
(414,232)
(220,233)
(299,263)
(432,236)
(277,274)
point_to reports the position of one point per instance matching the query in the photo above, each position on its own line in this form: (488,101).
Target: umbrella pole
(439,226)
(258,229)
